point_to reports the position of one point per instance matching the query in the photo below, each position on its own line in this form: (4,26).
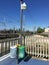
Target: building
(46,32)
(47,29)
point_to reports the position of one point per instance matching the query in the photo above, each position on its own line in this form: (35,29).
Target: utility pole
(21,11)
(22,7)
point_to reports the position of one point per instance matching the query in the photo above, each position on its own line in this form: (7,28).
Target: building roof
(45,33)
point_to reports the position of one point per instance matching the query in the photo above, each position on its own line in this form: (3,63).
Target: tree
(40,30)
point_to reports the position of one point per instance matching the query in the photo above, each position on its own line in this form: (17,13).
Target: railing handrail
(5,45)
(8,39)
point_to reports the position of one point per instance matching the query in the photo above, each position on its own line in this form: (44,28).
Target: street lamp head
(23,6)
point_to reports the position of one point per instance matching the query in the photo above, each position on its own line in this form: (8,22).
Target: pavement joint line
(22,59)
(4,57)
(25,57)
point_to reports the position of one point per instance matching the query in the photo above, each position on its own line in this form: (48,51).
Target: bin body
(21,52)
(13,51)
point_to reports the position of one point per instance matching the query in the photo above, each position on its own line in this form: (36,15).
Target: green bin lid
(21,47)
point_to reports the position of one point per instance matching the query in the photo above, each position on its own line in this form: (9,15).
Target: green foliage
(40,30)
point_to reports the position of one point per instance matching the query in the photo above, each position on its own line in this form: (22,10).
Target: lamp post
(22,7)
(20,23)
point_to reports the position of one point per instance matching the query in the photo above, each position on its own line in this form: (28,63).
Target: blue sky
(36,14)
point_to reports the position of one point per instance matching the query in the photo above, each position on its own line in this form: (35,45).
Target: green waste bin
(21,52)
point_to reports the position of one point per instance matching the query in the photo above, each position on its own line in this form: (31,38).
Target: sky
(35,15)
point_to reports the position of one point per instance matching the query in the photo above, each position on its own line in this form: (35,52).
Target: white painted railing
(37,46)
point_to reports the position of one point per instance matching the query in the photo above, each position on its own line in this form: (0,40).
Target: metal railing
(37,46)
(6,44)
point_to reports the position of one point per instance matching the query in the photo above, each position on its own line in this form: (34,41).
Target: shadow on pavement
(19,60)
(26,58)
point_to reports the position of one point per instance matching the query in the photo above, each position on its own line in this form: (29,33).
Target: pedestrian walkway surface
(26,61)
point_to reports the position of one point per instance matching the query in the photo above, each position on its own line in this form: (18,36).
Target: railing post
(2,48)
(43,48)
(5,47)
(9,45)
(24,40)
